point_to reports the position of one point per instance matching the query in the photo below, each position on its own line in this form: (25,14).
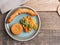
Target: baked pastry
(20,11)
(16,28)
(25,10)
(12,17)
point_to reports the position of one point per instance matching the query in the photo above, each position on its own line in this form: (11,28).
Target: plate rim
(28,38)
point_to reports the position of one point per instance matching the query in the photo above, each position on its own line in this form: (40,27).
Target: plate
(23,36)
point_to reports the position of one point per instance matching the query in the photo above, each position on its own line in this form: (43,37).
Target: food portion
(26,24)
(25,10)
(12,17)
(20,11)
(16,28)
(29,24)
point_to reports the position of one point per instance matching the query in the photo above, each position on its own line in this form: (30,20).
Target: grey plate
(19,37)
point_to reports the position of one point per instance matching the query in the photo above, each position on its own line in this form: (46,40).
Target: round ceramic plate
(23,36)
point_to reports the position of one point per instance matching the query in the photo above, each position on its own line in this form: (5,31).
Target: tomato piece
(26,29)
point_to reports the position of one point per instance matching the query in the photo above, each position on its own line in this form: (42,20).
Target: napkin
(6,5)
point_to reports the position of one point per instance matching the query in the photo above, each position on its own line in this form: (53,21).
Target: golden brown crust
(29,11)
(16,29)
(20,11)
(12,17)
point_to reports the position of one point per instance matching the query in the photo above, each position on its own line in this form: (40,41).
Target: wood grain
(50,20)
(48,35)
(43,5)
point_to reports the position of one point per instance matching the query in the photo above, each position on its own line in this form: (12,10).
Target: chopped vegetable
(35,27)
(29,24)
(22,21)
(26,29)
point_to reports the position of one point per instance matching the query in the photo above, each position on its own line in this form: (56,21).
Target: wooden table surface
(48,35)
(43,5)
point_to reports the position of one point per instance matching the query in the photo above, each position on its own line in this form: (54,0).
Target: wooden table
(48,35)
(43,5)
